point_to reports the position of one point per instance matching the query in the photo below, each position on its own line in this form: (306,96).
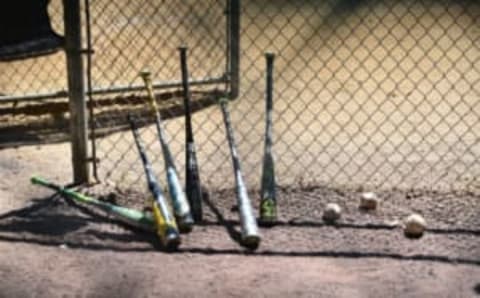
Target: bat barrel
(166,224)
(180,203)
(250,235)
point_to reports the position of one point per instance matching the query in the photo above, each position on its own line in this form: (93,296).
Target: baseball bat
(250,235)
(129,216)
(268,200)
(192,177)
(165,223)
(181,207)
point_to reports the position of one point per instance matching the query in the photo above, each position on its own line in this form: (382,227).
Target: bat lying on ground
(192,177)
(165,223)
(268,200)
(129,216)
(181,207)
(250,235)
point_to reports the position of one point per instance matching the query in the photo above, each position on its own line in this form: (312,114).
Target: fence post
(234,11)
(76,90)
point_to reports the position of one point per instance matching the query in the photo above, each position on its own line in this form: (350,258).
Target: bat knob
(185,223)
(172,241)
(270,56)
(251,242)
(145,73)
(222,100)
(146,77)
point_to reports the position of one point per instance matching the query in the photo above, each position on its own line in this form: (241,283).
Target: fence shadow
(335,254)
(48,122)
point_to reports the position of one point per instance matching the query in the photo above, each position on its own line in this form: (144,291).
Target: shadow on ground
(476,289)
(55,221)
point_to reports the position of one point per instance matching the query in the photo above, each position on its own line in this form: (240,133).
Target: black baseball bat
(268,200)
(180,203)
(250,235)
(192,177)
(165,223)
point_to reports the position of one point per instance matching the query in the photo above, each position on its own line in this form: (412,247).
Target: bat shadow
(340,225)
(221,220)
(476,289)
(55,220)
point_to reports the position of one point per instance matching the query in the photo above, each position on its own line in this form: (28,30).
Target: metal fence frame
(78,46)
(231,76)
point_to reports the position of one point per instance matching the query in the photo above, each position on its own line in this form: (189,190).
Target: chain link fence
(146,36)
(377,94)
(368,93)
(25,85)
(37,76)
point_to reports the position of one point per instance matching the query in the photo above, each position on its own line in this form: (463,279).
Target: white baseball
(415,225)
(369,201)
(332,212)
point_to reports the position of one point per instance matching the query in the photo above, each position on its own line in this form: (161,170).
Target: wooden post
(76,90)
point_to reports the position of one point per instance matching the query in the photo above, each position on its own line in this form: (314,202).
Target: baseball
(369,201)
(415,225)
(332,212)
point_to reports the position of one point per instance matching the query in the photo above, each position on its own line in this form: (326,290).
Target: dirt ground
(50,247)
(379,96)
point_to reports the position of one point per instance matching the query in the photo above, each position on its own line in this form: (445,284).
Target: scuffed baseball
(369,201)
(415,226)
(332,212)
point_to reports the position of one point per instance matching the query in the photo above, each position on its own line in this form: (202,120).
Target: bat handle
(147,79)
(270,57)
(38,180)
(186,89)
(184,69)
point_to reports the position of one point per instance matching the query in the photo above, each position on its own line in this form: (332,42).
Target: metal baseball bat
(268,200)
(129,216)
(192,177)
(250,235)
(180,203)
(165,223)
